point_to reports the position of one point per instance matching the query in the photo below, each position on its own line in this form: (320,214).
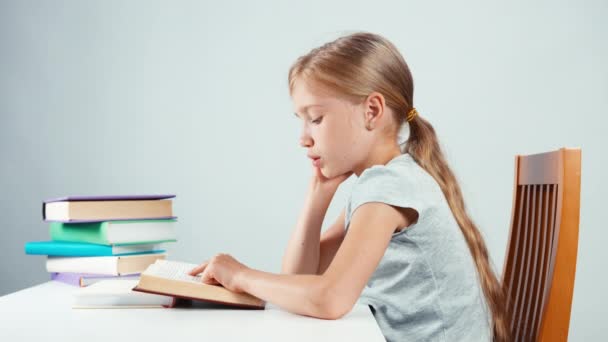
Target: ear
(374,107)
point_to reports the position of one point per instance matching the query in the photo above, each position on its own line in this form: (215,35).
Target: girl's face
(333,129)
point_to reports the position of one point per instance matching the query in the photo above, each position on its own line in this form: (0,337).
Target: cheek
(344,150)
(334,140)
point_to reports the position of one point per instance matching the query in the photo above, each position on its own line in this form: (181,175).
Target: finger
(207,277)
(198,269)
(318,173)
(213,281)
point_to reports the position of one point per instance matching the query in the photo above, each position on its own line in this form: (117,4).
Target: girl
(404,244)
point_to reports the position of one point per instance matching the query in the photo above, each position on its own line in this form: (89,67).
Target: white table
(44,313)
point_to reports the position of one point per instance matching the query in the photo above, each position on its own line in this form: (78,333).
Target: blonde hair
(355,65)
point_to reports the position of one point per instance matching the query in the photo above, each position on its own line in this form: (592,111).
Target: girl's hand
(327,185)
(223,270)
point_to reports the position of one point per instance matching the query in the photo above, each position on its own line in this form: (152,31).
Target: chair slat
(534,276)
(526,285)
(542,264)
(551,245)
(520,268)
(513,253)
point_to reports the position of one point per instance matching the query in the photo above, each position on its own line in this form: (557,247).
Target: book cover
(93,208)
(115,232)
(67,248)
(86,279)
(107,265)
(109,198)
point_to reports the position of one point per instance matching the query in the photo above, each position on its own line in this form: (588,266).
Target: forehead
(306,95)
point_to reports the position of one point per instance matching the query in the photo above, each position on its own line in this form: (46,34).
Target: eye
(317,121)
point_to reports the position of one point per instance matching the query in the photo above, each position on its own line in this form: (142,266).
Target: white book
(114,294)
(121,232)
(107,265)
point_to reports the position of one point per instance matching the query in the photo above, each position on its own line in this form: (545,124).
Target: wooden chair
(540,263)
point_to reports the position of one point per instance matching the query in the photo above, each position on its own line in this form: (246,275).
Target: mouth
(312,156)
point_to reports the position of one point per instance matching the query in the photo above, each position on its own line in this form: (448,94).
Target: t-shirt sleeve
(392,186)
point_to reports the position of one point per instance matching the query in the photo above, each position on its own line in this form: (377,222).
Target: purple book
(106,198)
(110,198)
(86,279)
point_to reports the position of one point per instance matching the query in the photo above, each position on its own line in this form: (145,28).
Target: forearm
(304,294)
(302,253)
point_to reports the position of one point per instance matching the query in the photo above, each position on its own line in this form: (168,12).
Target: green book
(115,232)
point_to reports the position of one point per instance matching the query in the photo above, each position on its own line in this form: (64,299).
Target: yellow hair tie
(411,114)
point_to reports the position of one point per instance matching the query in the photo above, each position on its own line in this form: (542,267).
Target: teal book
(115,232)
(76,249)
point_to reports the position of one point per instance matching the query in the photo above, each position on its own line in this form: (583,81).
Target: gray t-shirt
(426,287)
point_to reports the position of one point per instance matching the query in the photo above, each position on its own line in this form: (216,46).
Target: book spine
(97,265)
(87,280)
(56,248)
(73,279)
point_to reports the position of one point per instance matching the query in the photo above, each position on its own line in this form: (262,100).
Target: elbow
(331,313)
(330,305)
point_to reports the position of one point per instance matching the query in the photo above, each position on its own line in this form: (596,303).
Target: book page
(174,270)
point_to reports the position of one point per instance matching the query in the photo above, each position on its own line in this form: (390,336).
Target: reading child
(404,244)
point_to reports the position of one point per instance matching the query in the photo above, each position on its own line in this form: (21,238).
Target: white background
(120,97)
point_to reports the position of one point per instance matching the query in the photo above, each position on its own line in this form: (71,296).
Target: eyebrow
(305,108)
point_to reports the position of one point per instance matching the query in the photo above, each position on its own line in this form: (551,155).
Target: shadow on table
(183,303)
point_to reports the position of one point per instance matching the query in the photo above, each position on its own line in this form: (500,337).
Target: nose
(306,141)
(305,138)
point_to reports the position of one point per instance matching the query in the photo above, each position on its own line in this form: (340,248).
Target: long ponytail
(424,147)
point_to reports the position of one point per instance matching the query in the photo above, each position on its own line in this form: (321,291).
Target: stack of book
(95,238)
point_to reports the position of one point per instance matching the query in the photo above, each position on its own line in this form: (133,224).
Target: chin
(328,173)
(325,172)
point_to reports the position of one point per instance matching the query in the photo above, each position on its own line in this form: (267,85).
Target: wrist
(324,188)
(320,195)
(244,278)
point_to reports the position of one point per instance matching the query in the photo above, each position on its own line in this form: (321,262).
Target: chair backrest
(540,263)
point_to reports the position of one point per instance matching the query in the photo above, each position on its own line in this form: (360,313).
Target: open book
(171,278)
